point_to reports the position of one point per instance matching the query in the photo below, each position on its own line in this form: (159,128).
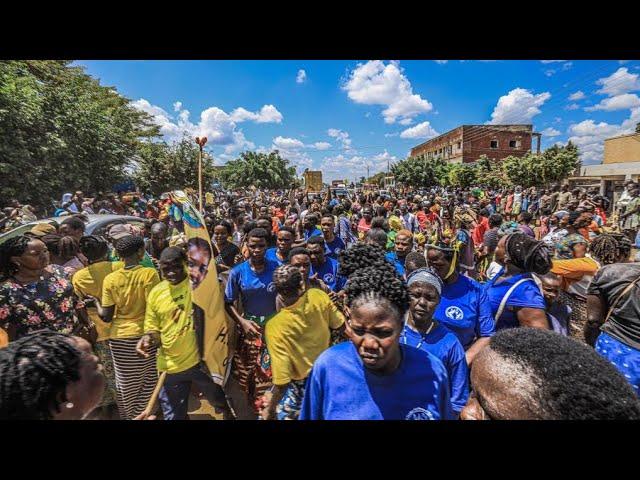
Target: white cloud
(177,106)
(441,62)
(567,66)
(619,102)
(284,143)
(322,145)
(552,61)
(557,120)
(389,135)
(341,166)
(579,95)
(406,121)
(619,82)
(301,77)
(518,106)
(422,130)
(573,106)
(377,83)
(340,136)
(267,114)
(550,132)
(215,124)
(549,72)
(589,136)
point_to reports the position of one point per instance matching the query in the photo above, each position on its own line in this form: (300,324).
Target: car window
(21,230)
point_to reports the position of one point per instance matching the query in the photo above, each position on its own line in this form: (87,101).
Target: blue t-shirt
(444,345)
(313,233)
(340,387)
(328,273)
(526,295)
(464,309)
(256,290)
(334,248)
(397,262)
(271,254)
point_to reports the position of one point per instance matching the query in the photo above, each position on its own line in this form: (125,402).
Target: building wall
(467,143)
(624,149)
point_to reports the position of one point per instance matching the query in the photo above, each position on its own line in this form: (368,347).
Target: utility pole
(368,172)
(201,143)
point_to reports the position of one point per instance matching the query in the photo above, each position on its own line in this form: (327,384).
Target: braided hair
(52,241)
(68,247)
(14,247)
(608,247)
(93,247)
(359,256)
(380,285)
(528,254)
(34,373)
(287,279)
(128,246)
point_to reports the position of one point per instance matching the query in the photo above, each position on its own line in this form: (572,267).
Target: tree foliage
(162,167)
(61,130)
(261,170)
(553,165)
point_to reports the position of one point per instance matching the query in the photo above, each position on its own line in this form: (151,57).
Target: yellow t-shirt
(298,334)
(89,281)
(170,312)
(128,290)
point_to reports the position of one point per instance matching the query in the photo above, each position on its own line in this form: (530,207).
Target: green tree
(637,127)
(162,167)
(260,169)
(60,130)
(377,179)
(490,172)
(553,165)
(463,175)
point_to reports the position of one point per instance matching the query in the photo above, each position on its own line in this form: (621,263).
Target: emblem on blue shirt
(419,414)
(454,313)
(271,287)
(328,278)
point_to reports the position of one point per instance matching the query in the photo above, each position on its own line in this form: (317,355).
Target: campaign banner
(212,325)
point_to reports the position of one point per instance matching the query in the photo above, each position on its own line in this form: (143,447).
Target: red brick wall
(477,141)
(452,137)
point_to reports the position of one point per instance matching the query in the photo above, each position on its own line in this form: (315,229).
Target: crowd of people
(422,304)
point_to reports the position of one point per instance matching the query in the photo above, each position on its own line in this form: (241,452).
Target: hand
(265,411)
(250,328)
(143,346)
(334,296)
(145,416)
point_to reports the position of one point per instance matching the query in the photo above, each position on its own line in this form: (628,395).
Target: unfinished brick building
(467,143)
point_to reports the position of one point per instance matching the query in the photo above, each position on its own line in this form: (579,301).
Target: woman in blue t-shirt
(515,298)
(463,306)
(423,331)
(374,377)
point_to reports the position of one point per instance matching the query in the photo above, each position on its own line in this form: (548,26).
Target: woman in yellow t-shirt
(124,303)
(87,283)
(295,337)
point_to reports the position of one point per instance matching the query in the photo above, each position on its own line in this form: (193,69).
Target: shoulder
(317,296)
(158,290)
(238,269)
(418,358)
(330,357)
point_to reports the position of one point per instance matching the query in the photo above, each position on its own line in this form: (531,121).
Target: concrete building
(621,162)
(465,144)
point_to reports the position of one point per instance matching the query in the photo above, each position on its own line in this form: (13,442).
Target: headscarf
(446,241)
(425,275)
(27,214)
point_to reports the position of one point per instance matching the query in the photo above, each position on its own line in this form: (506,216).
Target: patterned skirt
(104,354)
(252,365)
(291,403)
(578,317)
(623,357)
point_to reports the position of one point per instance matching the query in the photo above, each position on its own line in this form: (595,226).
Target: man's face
(550,289)
(316,254)
(327,226)
(198,264)
(284,241)
(264,223)
(66,230)
(264,211)
(220,234)
(366,214)
(303,262)
(257,248)
(173,271)
(403,245)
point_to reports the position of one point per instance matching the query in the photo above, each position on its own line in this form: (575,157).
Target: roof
(621,136)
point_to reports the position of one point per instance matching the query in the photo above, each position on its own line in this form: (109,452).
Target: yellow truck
(312,181)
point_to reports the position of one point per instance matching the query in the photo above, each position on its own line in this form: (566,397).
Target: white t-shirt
(493,270)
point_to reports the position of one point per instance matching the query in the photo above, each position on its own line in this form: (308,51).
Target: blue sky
(342,116)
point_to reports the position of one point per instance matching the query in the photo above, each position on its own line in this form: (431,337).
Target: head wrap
(446,240)
(425,275)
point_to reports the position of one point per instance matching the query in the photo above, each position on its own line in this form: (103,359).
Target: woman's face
(284,240)
(220,235)
(375,332)
(437,259)
(86,393)
(303,262)
(257,248)
(34,258)
(501,251)
(423,301)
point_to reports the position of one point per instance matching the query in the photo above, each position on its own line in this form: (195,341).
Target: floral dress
(50,303)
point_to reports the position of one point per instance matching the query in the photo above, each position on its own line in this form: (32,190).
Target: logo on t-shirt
(328,278)
(419,414)
(271,287)
(454,313)
(337,251)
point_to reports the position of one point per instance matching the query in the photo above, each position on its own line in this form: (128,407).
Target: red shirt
(479,231)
